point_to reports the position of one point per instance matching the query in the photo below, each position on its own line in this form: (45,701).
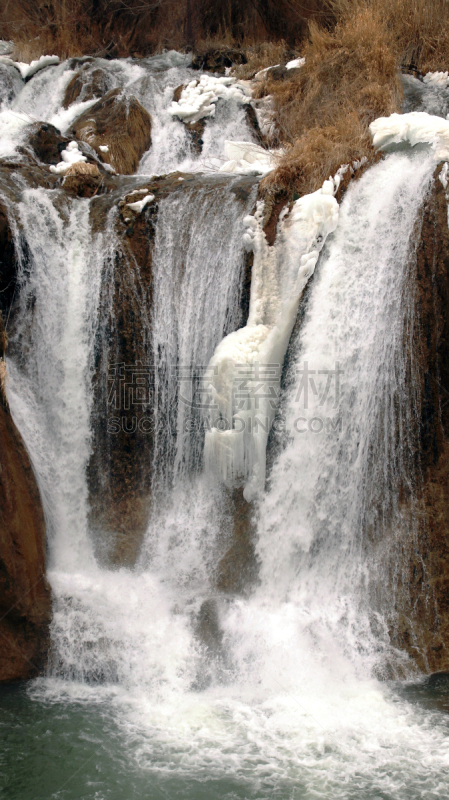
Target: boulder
(46,142)
(82,179)
(120,124)
(25,602)
(86,85)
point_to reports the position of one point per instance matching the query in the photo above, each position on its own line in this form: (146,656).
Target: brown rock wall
(25,602)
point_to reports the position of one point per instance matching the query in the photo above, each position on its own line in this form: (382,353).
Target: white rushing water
(51,397)
(276,695)
(293,708)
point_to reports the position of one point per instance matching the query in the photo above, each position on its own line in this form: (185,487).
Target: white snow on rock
(262,74)
(198,98)
(417,127)
(252,357)
(296,63)
(104,148)
(27,70)
(440,79)
(247,157)
(139,205)
(70,156)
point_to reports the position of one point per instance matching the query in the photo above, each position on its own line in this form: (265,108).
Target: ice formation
(246,366)
(198,98)
(69,156)
(296,63)
(27,70)
(439,79)
(247,157)
(417,127)
(139,205)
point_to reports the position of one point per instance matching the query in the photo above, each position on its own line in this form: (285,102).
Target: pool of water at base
(65,748)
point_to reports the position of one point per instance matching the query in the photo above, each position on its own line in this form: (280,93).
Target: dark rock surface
(216,60)
(25,602)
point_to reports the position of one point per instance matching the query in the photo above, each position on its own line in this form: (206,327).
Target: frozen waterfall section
(246,366)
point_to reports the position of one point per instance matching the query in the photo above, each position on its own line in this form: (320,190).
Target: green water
(76,750)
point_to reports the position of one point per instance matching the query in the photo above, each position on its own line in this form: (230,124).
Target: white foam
(64,117)
(417,127)
(12,125)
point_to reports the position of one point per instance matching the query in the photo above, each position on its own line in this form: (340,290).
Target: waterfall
(346,417)
(197,273)
(271,691)
(50,386)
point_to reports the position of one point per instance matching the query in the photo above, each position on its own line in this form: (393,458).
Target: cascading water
(274,696)
(51,390)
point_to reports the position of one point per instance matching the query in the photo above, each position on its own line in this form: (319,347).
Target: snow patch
(251,358)
(246,157)
(198,98)
(417,127)
(440,79)
(139,205)
(27,70)
(104,148)
(71,155)
(296,63)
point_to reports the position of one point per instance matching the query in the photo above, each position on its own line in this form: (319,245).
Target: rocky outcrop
(121,125)
(87,84)
(237,570)
(25,601)
(82,179)
(416,552)
(46,142)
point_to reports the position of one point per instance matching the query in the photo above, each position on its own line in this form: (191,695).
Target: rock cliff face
(25,601)
(417,554)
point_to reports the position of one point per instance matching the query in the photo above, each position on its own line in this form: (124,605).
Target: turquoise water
(77,750)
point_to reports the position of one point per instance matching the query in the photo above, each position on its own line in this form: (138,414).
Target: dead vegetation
(140,27)
(350,77)
(354,50)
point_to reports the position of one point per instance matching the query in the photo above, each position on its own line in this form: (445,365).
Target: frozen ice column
(246,365)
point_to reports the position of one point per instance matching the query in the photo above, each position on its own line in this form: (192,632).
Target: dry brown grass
(139,27)
(323,112)
(417,29)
